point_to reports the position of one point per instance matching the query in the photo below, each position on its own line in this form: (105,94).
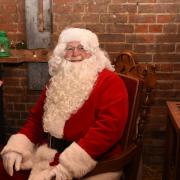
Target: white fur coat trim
(21,144)
(43,156)
(76,160)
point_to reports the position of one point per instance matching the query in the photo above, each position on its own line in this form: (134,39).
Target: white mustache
(77,58)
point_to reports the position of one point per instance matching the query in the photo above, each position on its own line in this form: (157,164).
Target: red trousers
(20,175)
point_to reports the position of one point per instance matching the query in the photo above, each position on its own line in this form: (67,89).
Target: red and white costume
(95,127)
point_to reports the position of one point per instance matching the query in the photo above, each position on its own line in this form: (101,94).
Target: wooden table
(172,155)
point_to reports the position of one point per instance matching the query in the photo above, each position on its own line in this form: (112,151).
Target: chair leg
(132,169)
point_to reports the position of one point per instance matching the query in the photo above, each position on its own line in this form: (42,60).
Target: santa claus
(78,119)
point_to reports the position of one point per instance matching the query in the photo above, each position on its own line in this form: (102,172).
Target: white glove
(43,175)
(11,160)
(58,172)
(61,173)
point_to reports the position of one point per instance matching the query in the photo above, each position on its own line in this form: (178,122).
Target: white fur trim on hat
(76,161)
(87,38)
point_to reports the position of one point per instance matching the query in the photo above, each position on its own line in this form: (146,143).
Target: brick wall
(151,28)
(17,98)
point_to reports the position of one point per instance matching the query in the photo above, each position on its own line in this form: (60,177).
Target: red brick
(178,48)
(94,2)
(113,18)
(13,115)
(19,107)
(142,1)
(64,1)
(14,90)
(163,48)
(155,28)
(158,8)
(67,18)
(141,28)
(176,67)
(97,28)
(144,57)
(168,38)
(111,37)
(93,8)
(165,85)
(117,47)
(165,18)
(65,9)
(9,27)
(166,67)
(118,1)
(167,1)
(176,84)
(119,28)
(11,98)
(16,73)
(122,8)
(170,28)
(139,38)
(89,18)
(168,76)
(177,18)
(23,81)
(78,8)
(78,25)
(142,18)
(166,57)
(141,48)
(8,9)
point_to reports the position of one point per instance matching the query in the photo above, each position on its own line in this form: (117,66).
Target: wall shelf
(27,55)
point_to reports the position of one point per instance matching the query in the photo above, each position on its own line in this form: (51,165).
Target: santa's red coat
(98,124)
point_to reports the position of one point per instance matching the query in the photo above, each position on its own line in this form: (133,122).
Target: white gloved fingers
(5,164)
(51,175)
(9,160)
(61,172)
(10,164)
(18,162)
(44,175)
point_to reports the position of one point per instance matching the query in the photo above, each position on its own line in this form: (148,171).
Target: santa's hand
(11,160)
(43,175)
(60,173)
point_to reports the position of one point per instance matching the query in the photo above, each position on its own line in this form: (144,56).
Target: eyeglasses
(71,48)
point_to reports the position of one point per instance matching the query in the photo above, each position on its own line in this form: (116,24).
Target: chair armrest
(115,164)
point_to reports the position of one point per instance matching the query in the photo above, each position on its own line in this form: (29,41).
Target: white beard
(69,88)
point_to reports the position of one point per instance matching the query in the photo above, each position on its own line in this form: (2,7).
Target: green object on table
(4,45)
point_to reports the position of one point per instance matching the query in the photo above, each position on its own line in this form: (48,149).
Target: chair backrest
(139,79)
(135,92)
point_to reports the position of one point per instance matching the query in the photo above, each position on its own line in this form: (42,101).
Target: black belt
(58,144)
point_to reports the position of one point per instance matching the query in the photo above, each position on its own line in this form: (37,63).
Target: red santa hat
(87,38)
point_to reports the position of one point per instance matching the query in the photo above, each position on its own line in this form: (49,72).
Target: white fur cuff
(44,153)
(76,160)
(18,143)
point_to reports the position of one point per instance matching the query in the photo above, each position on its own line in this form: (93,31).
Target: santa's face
(75,52)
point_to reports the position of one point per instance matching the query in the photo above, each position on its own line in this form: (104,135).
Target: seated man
(78,119)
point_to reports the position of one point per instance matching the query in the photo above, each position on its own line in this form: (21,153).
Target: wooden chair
(139,80)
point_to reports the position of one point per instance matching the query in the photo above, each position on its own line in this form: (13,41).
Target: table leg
(177,160)
(168,151)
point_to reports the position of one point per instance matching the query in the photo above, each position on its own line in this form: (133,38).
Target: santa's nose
(75,52)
